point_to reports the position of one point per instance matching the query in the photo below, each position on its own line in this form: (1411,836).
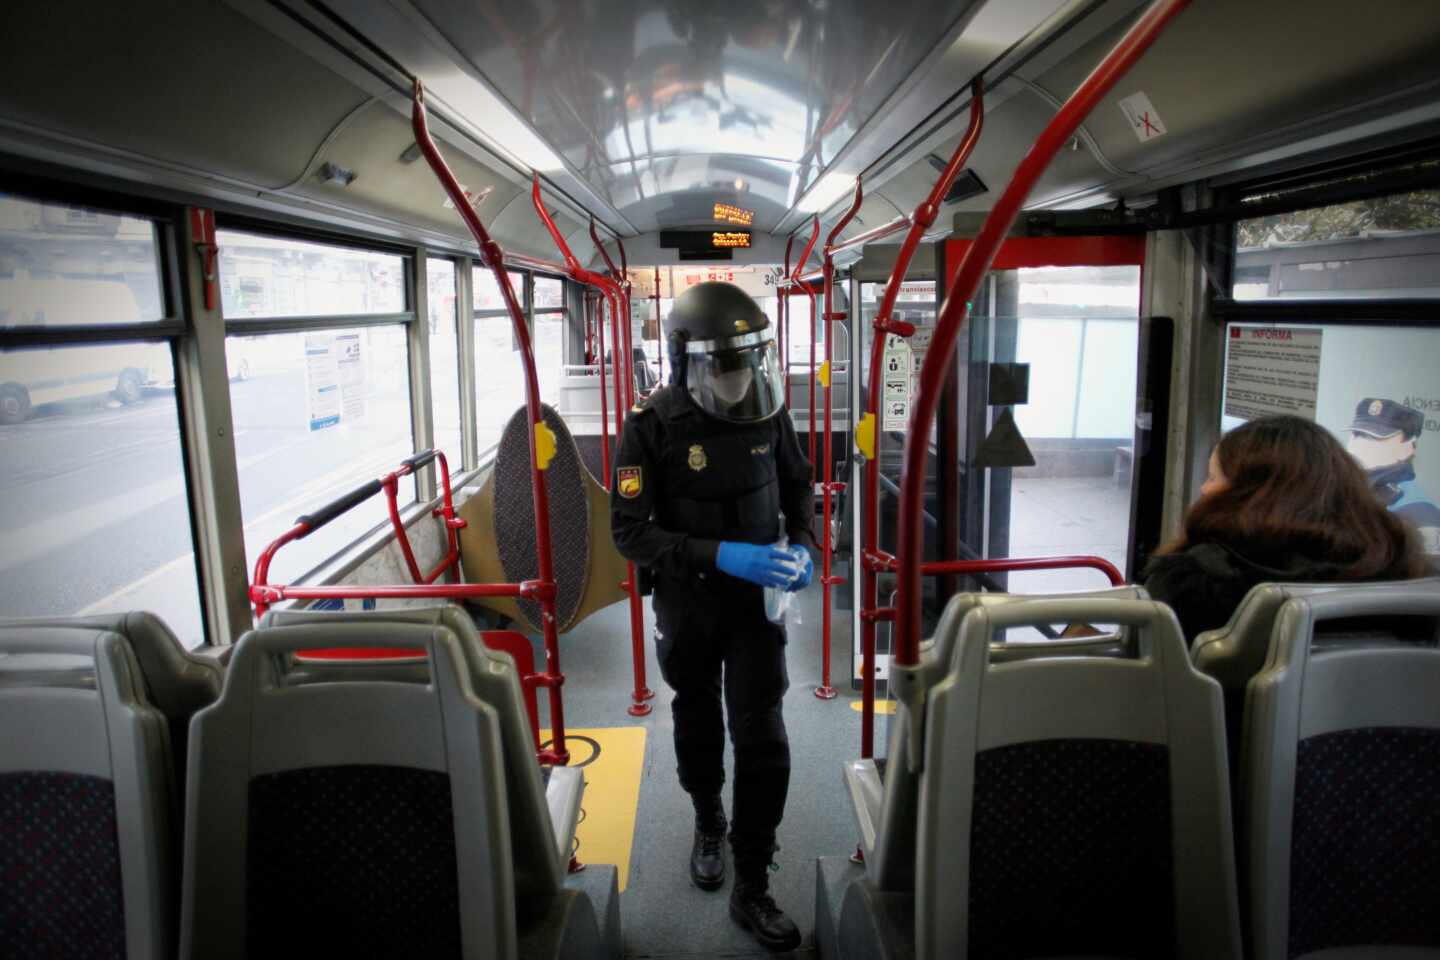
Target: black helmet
(722,351)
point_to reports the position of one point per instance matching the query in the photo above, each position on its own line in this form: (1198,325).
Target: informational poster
(322,381)
(1271,371)
(1378,392)
(334,379)
(346,348)
(898,367)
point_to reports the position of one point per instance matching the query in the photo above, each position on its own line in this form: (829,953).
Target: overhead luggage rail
(617,296)
(954,311)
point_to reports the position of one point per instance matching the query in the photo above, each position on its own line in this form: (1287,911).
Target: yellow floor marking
(881,706)
(612,792)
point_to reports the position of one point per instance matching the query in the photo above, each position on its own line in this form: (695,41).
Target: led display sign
(728,213)
(729,239)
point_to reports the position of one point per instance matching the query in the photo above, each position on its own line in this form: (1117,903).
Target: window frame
(170,329)
(1366,177)
(337,564)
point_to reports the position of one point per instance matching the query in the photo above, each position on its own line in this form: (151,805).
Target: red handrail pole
(810,292)
(782,317)
(614,295)
(920,221)
(827,485)
(391,485)
(495,258)
(659,337)
(873,234)
(604,404)
(973,267)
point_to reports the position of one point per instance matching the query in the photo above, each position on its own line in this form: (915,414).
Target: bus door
(1036,444)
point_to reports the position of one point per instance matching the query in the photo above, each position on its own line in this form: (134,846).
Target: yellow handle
(865,436)
(544,445)
(824,375)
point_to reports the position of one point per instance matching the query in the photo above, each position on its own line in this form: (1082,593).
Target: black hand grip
(421,459)
(338,506)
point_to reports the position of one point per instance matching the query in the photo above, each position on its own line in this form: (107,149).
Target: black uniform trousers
(712,635)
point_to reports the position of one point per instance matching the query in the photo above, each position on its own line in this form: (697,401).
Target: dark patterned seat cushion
(60,888)
(353,860)
(1070,850)
(1365,852)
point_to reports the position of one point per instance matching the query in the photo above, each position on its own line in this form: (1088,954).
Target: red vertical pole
(954,311)
(828,485)
(604,412)
(494,258)
(810,292)
(659,337)
(885,325)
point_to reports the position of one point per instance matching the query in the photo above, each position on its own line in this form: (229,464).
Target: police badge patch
(627,481)
(697,459)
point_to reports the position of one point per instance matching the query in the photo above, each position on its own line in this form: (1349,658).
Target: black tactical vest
(718,480)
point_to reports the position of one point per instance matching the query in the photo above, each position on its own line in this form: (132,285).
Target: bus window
(93,507)
(331,411)
(264,276)
(444,360)
(486,292)
(499,381)
(63,266)
(1382,247)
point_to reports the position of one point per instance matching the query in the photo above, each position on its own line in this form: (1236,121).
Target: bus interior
(321,322)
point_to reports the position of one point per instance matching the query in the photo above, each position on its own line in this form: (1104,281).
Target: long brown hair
(1293,489)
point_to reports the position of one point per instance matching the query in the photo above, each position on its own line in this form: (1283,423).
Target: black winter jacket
(1204,583)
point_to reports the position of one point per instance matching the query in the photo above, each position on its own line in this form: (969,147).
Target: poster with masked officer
(1377,389)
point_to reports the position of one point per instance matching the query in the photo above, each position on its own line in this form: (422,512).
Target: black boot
(707,857)
(753,908)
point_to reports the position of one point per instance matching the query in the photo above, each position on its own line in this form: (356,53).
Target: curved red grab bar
(953,313)
(495,259)
(615,296)
(919,222)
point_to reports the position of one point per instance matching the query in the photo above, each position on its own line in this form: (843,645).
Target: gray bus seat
(88,816)
(543,815)
(354,798)
(882,793)
(1342,777)
(1068,803)
(177,682)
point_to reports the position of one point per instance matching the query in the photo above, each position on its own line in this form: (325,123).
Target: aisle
(663,914)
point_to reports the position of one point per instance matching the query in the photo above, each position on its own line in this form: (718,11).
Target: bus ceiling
(647,116)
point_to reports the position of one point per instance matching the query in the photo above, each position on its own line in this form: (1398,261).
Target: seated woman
(1283,503)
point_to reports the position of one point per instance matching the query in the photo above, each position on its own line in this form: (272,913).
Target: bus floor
(663,914)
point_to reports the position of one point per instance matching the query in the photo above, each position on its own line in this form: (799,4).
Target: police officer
(1383,437)
(706,468)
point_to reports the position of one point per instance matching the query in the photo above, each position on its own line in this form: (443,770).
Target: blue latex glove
(761,563)
(807,569)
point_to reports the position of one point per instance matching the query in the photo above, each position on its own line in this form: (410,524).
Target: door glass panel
(1077,328)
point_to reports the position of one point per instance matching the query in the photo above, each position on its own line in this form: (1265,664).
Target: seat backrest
(890,864)
(1074,805)
(498,543)
(1342,773)
(87,813)
(348,817)
(539,865)
(177,682)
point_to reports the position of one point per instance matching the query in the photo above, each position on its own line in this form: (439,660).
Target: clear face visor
(736,379)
